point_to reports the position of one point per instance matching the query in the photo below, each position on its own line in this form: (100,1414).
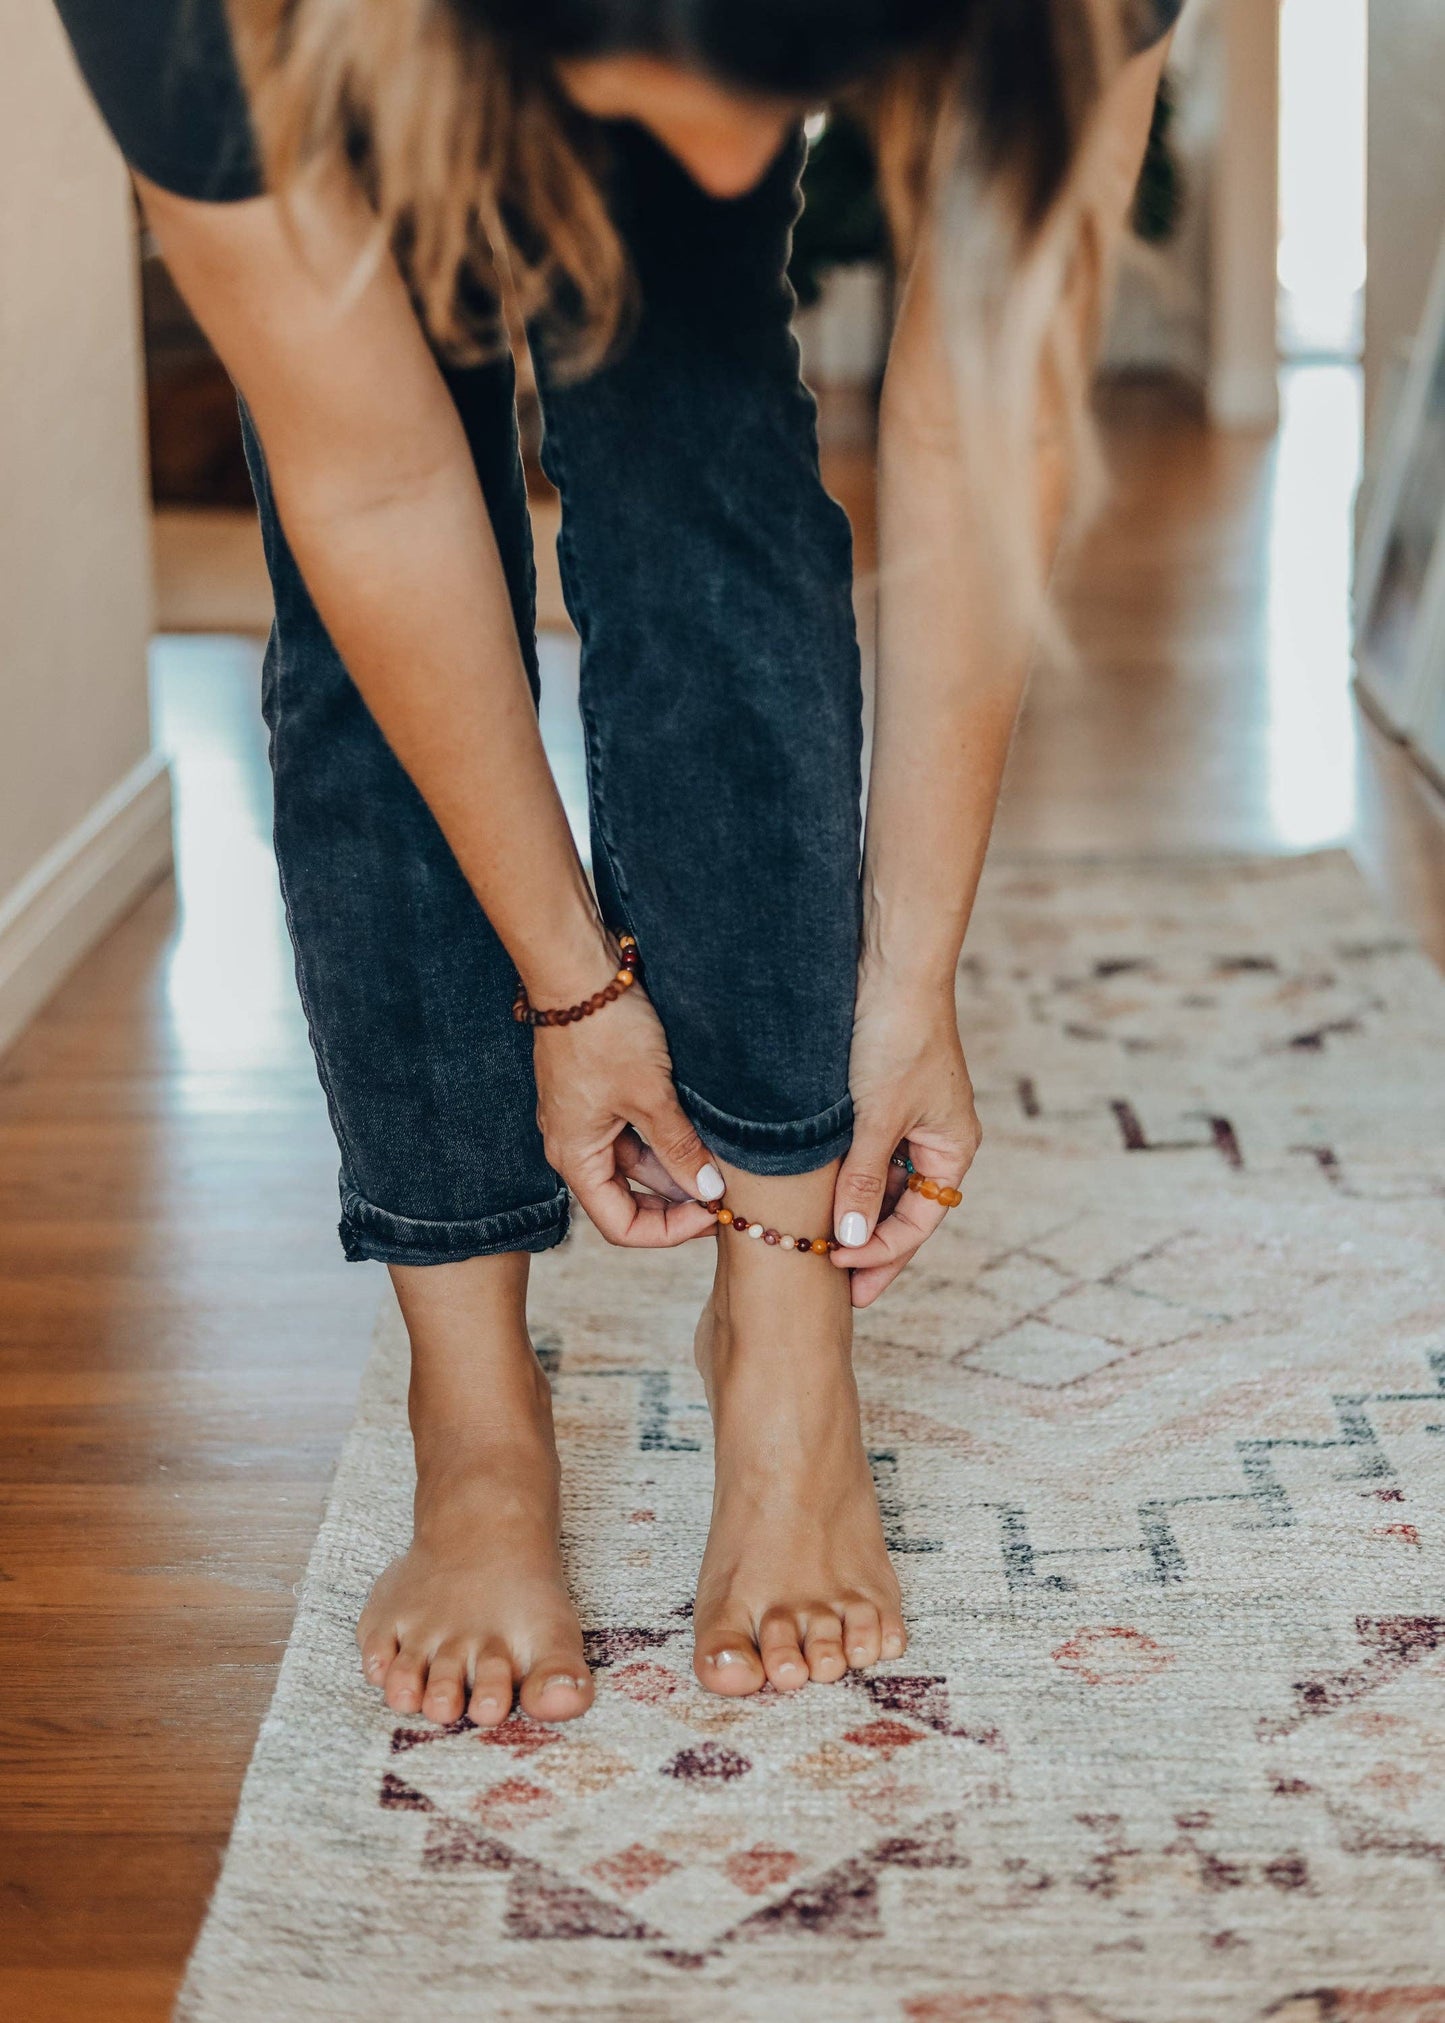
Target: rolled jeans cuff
(801,1145)
(371,1232)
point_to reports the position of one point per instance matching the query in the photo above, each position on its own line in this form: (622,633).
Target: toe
(862,1634)
(406,1682)
(781,1652)
(491,1700)
(895,1637)
(446,1685)
(823,1647)
(378,1648)
(558,1687)
(726,1660)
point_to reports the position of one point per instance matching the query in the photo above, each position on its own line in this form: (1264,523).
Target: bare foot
(796,1582)
(478,1606)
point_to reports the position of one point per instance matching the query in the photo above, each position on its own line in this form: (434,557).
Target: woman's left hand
(911,1097)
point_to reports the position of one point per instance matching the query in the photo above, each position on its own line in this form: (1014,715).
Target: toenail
(563,1679)
(721,1658)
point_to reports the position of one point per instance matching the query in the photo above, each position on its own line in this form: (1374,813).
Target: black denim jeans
(709,577)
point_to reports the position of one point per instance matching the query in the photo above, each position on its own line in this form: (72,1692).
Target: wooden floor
(179,1340)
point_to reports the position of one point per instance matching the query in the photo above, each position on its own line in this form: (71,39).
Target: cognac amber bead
(929,1190)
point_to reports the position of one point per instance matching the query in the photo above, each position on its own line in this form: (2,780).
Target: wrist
(920,975)
(569,966)
(904,954)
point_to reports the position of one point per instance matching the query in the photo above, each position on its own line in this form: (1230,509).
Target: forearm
(946,701)
(384,513)
(413,594)
(948,695)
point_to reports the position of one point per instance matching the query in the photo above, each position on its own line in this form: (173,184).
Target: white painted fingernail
(710,1182)
(853,1230)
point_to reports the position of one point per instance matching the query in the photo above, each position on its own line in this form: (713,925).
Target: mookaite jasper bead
(770,1236)
(725,1216)
(819,1246)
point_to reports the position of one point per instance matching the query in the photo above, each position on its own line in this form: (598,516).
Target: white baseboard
(78,890)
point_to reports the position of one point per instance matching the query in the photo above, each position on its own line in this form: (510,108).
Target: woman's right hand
(610,1116)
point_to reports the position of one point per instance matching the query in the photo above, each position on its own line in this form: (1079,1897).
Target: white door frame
(1242,391)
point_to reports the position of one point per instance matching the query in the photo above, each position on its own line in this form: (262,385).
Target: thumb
(858,1197)
(682,1152)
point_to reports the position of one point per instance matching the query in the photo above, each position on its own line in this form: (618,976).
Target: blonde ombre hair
(491,187)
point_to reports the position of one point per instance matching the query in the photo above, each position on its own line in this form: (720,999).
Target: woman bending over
(353,195)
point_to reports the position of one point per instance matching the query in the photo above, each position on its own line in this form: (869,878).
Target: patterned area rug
(1158,1425)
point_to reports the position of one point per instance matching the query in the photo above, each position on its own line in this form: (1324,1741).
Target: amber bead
(929,1190)
(820,1246)
(724,1216)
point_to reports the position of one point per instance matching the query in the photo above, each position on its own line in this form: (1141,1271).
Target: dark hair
(1033,61)
(785,48)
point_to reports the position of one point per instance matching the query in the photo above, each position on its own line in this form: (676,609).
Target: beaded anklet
(816,1246)
(526,1014)
(820,1246)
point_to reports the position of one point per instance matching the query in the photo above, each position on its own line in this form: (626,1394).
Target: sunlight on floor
(228,981)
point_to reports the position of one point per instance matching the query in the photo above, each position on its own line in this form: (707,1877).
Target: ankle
(762,1298)
(494,1407)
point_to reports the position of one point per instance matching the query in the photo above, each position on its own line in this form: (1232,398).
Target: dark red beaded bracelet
(526,1014)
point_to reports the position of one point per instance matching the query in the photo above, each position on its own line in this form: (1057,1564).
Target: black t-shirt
(164,76)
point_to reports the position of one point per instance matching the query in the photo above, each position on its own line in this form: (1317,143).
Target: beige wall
(74,525)
(74,554)
(1406,214)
